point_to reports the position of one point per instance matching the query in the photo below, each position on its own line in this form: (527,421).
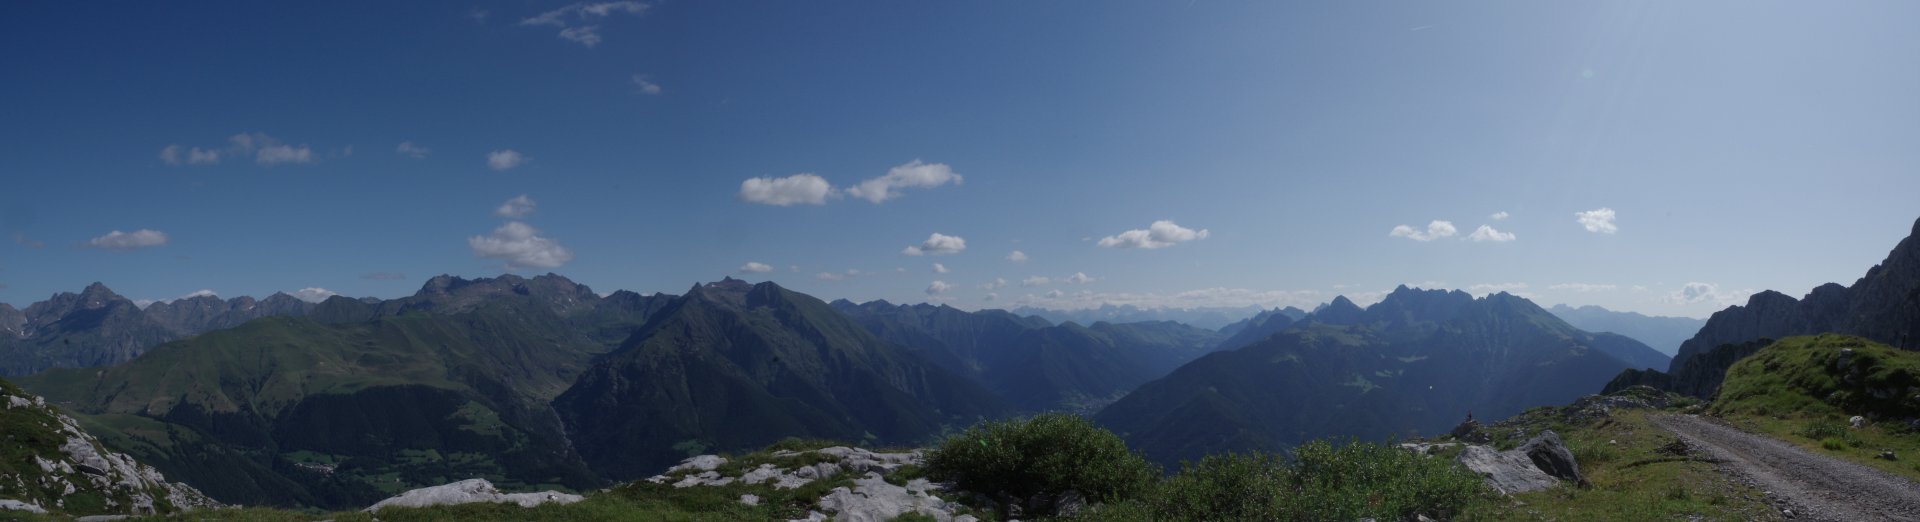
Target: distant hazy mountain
(732,365)
(92,328)
(202,313)
(1660,332)
(1031,363)
(1259,327)
(1416,361)
(1292,314)
(1212,318)
(360,398)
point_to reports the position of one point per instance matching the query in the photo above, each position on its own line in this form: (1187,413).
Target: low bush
(1321,482)
(1033,463)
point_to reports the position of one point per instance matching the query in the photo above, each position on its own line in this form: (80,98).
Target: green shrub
(1321,482)
(1833,443)
(1033,462)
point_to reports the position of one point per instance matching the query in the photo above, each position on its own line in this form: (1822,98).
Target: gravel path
(1812,486)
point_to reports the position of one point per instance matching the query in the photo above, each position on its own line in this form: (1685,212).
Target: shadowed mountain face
(1883,305)
(92,328)
(1211,318)
(1031,364)
(1660,332)
(362,399)
(1416,362)
(732,365)
(203,313)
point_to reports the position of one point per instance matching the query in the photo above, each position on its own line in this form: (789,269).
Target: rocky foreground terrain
(47,463)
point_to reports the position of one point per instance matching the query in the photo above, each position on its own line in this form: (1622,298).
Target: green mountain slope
(732,366)
(291,411)
(1416,362)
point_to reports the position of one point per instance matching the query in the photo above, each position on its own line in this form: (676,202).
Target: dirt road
(1812,486)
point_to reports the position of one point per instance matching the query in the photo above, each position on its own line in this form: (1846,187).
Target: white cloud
(1160,234)
(1035,281)
(505,159)
(408,148)
(1697,292)
(313,294)
(1583,287)
(1079,278)
(938,287)
(1487,233)
(1055,294)
(755,268)
(646,86)
(937,244)
(995,284)
(277,154)
(195,156)
(518,207)
(580,22)
(831,276)
(521,246)
(587,35)
(797,189)
(913,174)
(1598,220)
(1489,288)
(940,268)
(268,151)
(117,240)
(990,296)
(172,155)
(1017,257)
(198,293)
(1435,230)
(1497,216)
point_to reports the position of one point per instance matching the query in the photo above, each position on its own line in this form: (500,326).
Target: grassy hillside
(290,411)
(1805,389)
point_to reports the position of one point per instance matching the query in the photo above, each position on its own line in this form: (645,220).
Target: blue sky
(1738,145)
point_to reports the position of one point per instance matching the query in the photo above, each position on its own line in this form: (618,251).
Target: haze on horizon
(1662,158)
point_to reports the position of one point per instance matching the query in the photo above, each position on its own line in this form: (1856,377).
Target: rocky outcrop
(471,491)
(1536,465)
(1700,378)
(868,497)
(62,469)
(1883,305)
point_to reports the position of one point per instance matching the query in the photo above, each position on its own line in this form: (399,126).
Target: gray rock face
(871,498)
(471,491)
(1553,457)
(1880,306)
(1536,465)
(80,464)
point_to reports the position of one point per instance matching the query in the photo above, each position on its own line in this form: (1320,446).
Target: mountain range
(1883,306)
(98,327)
(1663,333)
(1211,318)
(1418,361)
(733,365)
(1030,363)
(358,400)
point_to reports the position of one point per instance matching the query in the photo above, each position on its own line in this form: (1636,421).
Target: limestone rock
(1536,465)
(471,491)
